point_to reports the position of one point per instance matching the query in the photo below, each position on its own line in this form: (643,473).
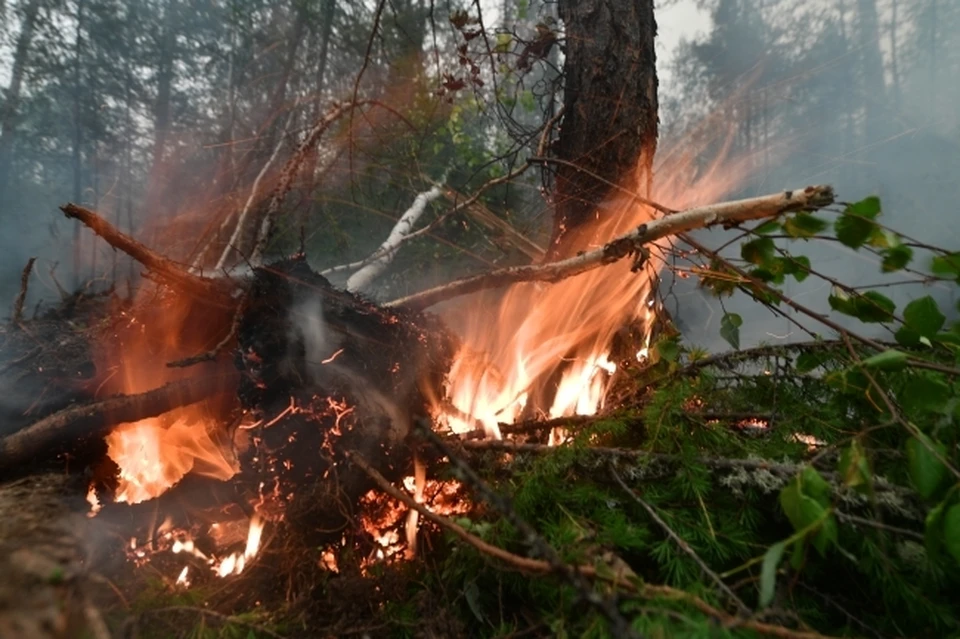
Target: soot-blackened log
(342,374)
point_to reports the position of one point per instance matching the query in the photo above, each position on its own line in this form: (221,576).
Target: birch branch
(388,250)
(632,243)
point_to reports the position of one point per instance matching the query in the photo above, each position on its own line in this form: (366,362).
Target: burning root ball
(325,372)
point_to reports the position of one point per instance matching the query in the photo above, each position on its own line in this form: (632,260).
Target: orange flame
(551,343)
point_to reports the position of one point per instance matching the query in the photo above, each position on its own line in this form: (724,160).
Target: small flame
(235,563)
(182,579)
(94,502)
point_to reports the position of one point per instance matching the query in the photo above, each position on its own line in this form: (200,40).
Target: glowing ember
(153,457)
(94,502)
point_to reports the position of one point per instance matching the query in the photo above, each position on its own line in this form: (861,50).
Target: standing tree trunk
(161,109)
(11,98)
(609,126)
(77,151)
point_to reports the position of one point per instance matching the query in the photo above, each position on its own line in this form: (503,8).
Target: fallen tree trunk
(66,427)
(632,243)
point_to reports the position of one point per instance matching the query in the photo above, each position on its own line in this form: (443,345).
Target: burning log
(630,244)
(66,427)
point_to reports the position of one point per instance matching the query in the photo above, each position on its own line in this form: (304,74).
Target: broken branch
(813,197)
(165,268)
(22,296)
(97,418)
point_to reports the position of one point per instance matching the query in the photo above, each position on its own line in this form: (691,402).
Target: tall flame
(551,343)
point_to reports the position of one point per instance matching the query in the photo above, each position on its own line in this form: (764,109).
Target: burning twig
(167,269)
(526,564)
(99,417)
(680,541)
(606,606)
(632,243)
(22,296)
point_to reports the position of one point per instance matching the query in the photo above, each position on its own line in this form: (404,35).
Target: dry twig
(22,295)
(631,243)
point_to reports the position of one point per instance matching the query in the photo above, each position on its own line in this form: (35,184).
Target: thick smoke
(856,98)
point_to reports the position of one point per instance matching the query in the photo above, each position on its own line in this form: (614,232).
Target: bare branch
(165,268)
(631,243)
(22,295)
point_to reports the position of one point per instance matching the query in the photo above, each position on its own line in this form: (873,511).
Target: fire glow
(550,344)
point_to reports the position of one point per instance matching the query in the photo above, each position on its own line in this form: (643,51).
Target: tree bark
(609,126)
(11,102)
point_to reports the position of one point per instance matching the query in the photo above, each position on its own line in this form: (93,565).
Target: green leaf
(906,336)
(849,382)
(870,307)
(811,360)
(669,349)
(759,251)
(503,42)
(802,510)
(924,316)
(889,360)
(933,530)
(768,573)
(946,265)
(815,486)
(801,269)
(951,531)
(868,207)
(853,230)
(767,228)
(896,258)
(730,329)
(855,468)
(926,471)
(826,535)
(926,393)
(804,225)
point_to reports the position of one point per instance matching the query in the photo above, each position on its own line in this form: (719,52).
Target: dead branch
(234,240)
(164,268)
(680,541)
(22,296)
(632,243)
(526,564)
(97,418)
(290,170)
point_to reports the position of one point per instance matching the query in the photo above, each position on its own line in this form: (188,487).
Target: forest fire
(545,351)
